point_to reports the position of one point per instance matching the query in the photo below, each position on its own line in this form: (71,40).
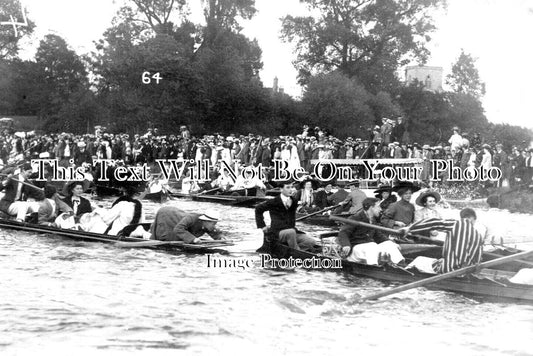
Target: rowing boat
(158,197)
(204,247)
(487,283)
(234,200)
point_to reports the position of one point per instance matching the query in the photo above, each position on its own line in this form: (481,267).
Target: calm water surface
(64,297)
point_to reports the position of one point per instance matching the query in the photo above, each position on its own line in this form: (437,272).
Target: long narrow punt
(207,246)
(236,200)
(490,283)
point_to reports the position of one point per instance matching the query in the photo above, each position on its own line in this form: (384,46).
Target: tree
(465,77)
(11,35)
(338,103)
(368,39)
(62,73)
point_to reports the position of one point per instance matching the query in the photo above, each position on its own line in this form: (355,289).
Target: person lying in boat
(14,201)
(173,224)
(75,201)
(366,245)
(125,211)
(463,246)
(282,211)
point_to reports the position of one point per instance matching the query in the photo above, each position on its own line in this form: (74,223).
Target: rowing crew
(463,245)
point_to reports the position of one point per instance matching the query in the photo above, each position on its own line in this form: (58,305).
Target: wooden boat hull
(244,201)
(158,197)
(491,284)
(93,237)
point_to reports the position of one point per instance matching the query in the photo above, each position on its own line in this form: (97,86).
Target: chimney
(275,85)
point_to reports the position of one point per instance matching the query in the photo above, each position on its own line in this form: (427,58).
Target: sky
(496,32)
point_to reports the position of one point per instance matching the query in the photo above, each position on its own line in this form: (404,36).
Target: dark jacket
(281,218)
(173,224)
(83,207)
(351,235)
(321,199)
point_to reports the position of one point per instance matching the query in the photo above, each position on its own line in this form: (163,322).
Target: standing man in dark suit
(282,211)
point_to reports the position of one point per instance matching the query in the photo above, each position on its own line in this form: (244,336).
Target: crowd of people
(26,199)
(388,141)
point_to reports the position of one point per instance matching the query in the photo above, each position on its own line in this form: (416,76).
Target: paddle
(318,212)
(384,229)
(456,273)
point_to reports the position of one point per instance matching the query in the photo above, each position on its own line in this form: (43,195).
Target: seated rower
(366,245)
(14,201)
(322,196)
(282,211)
(463,246)
(173,224)
(75,201)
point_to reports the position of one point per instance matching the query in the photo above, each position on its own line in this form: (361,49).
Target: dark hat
(401,187)
(67,188)
(308,178)
(382,188)
(429,193)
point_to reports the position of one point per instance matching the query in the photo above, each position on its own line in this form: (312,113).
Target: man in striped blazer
(463,246)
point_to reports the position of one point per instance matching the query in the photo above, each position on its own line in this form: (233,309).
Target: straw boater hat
(429,193)
(210,215)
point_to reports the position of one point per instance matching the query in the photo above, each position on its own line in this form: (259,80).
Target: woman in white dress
(125,211)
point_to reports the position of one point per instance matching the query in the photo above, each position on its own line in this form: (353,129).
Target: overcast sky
(496,32)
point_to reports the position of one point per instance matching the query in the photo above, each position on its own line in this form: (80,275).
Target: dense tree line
(207,75)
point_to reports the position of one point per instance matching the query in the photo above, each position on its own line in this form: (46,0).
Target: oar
(150,243)
(208,191)
(28,184)
(456,273)
(318,212)
(384,229)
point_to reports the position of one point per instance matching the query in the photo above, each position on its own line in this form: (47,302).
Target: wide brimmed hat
(406,185)
(69,185)
(210,215)
(383,188)
(429,193)
(314,182)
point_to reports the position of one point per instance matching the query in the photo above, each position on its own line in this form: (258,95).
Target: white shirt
(286,200)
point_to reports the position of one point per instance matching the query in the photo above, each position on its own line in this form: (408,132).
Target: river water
(65,297)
